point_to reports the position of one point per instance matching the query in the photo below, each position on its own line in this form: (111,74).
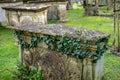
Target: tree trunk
(88,7)
(69,5)
(114,41)
(96,8)
(97,3)
(109,4)
(84,3)
(116,26)
(0,24)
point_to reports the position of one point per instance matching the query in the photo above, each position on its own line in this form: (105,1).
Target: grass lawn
(103,24)
(9,51)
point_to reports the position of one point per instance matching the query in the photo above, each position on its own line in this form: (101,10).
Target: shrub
(27,73)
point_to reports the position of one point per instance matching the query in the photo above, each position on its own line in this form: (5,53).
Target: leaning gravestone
(64,53)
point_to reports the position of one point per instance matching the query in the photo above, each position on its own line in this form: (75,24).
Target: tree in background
(96,8)
(109,4)
(25,1)
(116,25)
(69,5)
(89,9)
(0,24)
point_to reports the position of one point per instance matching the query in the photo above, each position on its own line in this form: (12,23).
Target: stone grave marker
(24,14)
(4,3)
(64,53)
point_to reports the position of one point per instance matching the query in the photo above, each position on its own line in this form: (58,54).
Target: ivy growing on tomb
(65,45)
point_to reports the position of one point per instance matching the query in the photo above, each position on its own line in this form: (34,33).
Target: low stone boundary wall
(64,53)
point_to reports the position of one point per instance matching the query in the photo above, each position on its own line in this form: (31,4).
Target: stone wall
(39,47)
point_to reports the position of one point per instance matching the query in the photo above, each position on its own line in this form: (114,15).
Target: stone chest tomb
(26,14)
(64,53)
(57,9)
(4,3)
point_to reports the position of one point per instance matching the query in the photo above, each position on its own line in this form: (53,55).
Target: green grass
(104,10)
(9,51)
(8,54)
(111,67)
(77,18)
(104,24)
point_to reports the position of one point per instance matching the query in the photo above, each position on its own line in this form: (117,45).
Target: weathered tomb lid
(9,1)
(47,2)
(60,30)
(44,1)
(27,7)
